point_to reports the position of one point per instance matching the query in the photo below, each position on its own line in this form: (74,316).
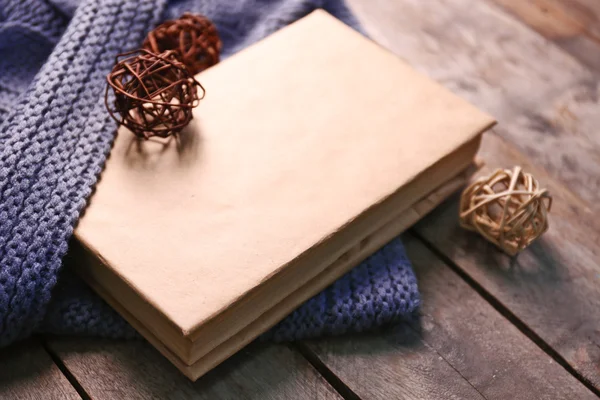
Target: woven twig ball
(508,208)
(194,38)
(153,93)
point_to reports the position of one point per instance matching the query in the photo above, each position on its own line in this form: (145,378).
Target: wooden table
(490,327)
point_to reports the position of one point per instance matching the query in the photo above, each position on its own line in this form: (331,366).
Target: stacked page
(311,150)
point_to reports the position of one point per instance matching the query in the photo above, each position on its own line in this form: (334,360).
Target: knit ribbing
(55,135)
(57,142)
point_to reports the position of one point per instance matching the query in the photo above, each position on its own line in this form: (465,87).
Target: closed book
(307,144)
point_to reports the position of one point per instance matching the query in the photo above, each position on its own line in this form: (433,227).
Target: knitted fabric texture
(55,135)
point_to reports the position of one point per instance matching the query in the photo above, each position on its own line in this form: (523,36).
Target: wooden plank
(394,365)
(28,372)
(459,328)
(544,99)
(588,12)
(574,25)
(546,102)
(109,369)
(554,286)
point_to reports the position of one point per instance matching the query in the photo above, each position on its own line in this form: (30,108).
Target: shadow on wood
(110,369)
(27,371)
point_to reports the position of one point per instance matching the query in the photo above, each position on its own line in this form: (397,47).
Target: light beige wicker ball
(507,207)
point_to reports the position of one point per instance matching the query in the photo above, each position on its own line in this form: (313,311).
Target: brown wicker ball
(508,207)
(194,38)
(153,93)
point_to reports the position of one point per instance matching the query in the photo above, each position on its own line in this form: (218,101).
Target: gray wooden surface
(490,327)
(458,328)
(552,288)
(112,369)
(28,372)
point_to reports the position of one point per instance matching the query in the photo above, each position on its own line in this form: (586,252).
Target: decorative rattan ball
(153,93)
(194,38)
(508,208)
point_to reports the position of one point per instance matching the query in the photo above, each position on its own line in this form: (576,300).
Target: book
(342,265)
(308,144)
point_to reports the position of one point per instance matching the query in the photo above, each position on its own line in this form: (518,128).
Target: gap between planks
(475,344)
(338,384)
(109,369)
(545,287)
(507,313)
(546,102)
(64,370)
(28,372)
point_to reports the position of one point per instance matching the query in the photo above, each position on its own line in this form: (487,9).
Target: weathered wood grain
(459,329)
(547,105)
(574,25)
(394,365)
(28,372)
(554,286)
(587,12)
(543,98)
(134,370)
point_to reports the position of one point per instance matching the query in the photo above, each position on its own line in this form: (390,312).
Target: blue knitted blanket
(55,135)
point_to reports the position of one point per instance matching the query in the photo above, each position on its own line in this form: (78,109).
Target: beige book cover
(305,142)
(344,263)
